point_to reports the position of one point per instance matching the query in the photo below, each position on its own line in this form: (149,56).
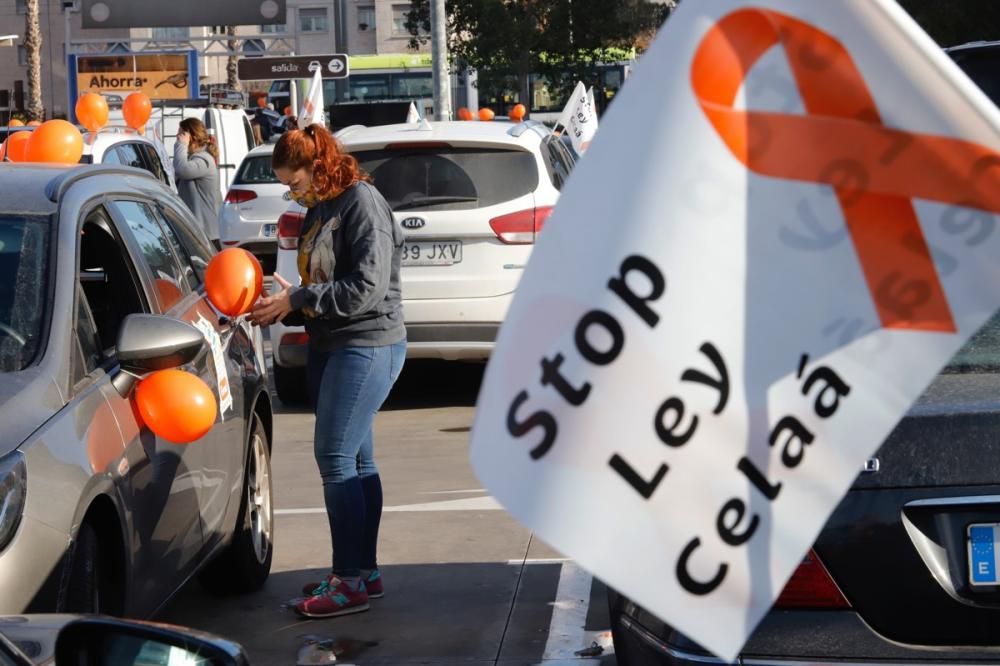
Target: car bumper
(784,638)
(28,563)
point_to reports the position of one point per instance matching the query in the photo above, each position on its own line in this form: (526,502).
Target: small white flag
(313,111)
(412,117)
(579,118)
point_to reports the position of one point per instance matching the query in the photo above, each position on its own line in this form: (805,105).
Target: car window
(24,273)
(187,265)
(154,162)
(108,279)
(450,178)
(256,170)
(171,283)
(558,161)
(128,154)
(980,64)
(88,344)
(192,239)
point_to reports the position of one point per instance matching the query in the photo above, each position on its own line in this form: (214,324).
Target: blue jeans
(348,387)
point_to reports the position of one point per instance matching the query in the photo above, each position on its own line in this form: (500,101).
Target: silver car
(101,282)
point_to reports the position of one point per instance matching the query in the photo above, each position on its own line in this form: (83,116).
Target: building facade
(370,27)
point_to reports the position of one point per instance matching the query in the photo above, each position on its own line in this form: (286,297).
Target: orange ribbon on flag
(875,170)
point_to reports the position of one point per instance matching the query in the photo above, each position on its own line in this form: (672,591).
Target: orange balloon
(288,110)
(137,109)
(486,114)
(55,141)
(261,102)
(234,281)
(16,146)
(15,123)
(518,112)
(464,114)
(92,111)
(34,123)
(176,405)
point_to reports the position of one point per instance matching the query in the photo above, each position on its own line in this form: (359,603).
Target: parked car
(103,281)
(253,208)
(68,640)
(471,199)
(904,570)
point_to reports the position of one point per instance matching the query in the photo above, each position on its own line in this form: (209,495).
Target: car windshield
(256,170)
(450,178)
(981,66)
(24,243)
(981,354)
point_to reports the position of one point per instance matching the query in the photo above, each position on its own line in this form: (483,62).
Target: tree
(562,40)
(232,68)
(33,47)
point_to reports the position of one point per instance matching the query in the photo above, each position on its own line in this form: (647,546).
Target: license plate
(270,230)
(432,253)
(983,549)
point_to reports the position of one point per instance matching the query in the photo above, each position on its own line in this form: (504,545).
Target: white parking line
(569,613)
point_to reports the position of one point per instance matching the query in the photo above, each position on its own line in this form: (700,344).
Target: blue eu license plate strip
(983,549)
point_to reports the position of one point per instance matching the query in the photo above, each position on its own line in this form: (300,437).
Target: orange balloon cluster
(176,405)
(464,114)
(92,111)
(518,112)
(35,123)
(15,148)
(55,141)
(15,123)
(486,114)
(234,281)
(137,109)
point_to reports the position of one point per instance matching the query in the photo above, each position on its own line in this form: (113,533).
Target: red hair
(333,170)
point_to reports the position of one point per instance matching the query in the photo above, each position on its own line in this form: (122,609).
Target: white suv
(471,197)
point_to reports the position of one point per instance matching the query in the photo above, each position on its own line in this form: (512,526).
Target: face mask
(307,199)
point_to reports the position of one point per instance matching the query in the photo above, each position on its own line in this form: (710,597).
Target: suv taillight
(811,587)
(289,228)
(240,196)
(522,227)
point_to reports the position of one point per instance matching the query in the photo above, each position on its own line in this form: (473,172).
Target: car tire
(246,562)
(85,586)
(290,384)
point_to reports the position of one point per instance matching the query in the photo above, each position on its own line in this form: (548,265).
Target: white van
(230,127)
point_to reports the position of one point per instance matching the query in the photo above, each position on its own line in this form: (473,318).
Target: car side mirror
(95,641)
(147,343)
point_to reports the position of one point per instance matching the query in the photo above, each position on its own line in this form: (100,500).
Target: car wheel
(290,384)
(246,563)
(83,594)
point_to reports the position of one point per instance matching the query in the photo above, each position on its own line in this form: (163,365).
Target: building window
(171,34)
(313,20)
(272,29)
(399,16)
(21,5)
(366,18)
(22,55)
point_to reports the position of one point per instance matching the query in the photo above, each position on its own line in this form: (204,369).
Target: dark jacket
(197,178)
(349,256)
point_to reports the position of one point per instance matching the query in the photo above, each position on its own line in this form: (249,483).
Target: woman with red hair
(349,301)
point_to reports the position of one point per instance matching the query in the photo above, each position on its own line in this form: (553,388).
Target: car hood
(28,400)
(35,635)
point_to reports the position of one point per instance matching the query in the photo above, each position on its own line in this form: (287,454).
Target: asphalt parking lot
(465,583)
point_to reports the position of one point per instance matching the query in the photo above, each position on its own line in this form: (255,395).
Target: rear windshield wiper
(430,201)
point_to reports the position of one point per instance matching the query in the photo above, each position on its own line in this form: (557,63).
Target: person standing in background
(196,171)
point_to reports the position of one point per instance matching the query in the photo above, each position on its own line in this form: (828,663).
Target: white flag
(412,117)
(740,293)
(579,118)
(313,111)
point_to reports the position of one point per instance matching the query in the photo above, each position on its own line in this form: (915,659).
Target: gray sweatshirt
(349,257)
(197,178)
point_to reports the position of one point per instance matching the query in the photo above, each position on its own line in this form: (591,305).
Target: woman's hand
(184,138)
(273,308)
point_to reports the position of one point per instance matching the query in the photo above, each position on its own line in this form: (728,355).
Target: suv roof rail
(347,130)
(539,128)
(58,186)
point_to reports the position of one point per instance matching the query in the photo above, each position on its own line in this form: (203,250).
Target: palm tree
(231,68)
(33,46)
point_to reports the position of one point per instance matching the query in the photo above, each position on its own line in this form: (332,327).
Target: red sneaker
(373,584)
(336,598)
